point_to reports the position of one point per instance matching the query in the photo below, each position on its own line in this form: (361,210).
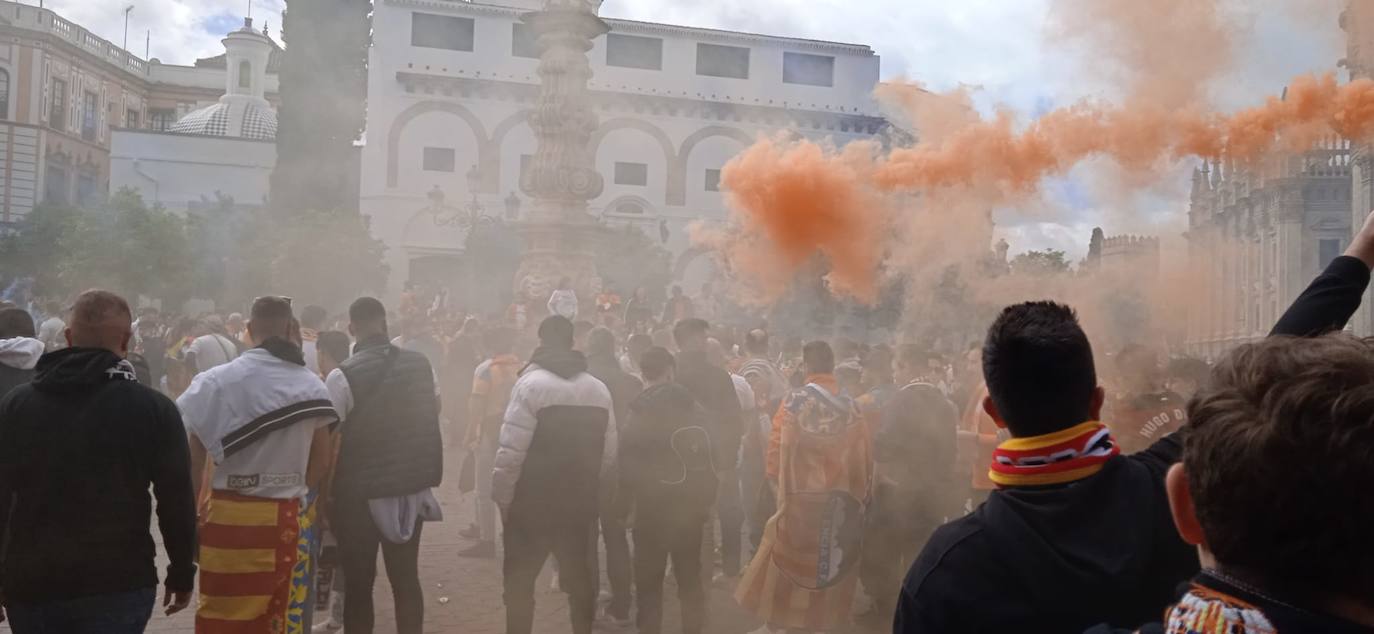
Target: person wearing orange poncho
(805,572)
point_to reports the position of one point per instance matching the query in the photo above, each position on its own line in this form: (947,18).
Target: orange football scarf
(1063,456)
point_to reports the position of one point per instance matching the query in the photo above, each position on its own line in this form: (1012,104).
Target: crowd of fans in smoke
(962,491)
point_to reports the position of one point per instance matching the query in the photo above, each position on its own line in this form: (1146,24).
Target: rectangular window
(630,51)
(714,60)
(441,31)
(1327,250)
(523,43)
(86,187)
(55,184)
(89,111)
(631,174)
(131,119)
(712,180)
(439,159)
(161,119)
(57,113)
(810,70)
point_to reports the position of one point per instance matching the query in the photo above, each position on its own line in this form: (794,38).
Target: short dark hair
(556,332)
(818,357)
(690,330)
(499,340)
(756,341)
(270,315)
(656,362)
(879,358)
(601,342)
(313,316)
(16,322)
(99,319)
(913,355)
(334,344)
(366,310)
(1039,368)
(1280,444)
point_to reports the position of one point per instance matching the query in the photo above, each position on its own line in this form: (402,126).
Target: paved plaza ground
(464,595)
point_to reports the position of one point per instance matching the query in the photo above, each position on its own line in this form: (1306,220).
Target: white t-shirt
(272,468)
(213,351)
(275,465)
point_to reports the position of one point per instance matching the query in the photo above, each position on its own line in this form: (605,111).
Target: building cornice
(618,102)
(92,62)
(652,28)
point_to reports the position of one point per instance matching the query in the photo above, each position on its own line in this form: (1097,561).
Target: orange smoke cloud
(798,199)
(807,201)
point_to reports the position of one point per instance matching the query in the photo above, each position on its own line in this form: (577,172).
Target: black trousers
(898,525)
(617,560)
(359,540)
(655,543)
(529,541)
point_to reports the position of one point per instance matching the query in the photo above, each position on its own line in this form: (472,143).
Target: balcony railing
(46,20)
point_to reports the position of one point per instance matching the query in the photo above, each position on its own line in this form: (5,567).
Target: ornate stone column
(558,232)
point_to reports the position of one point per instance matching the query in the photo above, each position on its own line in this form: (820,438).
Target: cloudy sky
(1000,47)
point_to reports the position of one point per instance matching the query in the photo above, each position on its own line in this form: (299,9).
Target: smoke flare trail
(798,199)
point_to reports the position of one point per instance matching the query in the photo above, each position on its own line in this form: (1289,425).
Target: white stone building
(222,148)
(450,83)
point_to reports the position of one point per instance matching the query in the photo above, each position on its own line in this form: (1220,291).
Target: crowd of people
(1017,487)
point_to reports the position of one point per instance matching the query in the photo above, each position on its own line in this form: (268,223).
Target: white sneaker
(327,626)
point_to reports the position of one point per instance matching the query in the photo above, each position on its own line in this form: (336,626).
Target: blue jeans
(120,613)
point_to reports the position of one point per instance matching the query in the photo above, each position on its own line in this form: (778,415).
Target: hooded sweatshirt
(18,357)
(666,462)
(1055,558)
(80,447)
(558,441)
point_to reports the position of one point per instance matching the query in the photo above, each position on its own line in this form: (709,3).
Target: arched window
(4,94)
(629,208)
(245,75)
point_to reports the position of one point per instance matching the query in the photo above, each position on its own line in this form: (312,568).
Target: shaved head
(271,316)
(101,319)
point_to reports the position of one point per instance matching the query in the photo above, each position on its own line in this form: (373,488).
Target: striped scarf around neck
(1067,455)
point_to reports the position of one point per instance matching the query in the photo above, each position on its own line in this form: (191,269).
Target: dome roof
(231,119)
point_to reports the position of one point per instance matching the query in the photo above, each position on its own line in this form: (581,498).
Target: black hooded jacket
(624,386)
(80,446)
(666,466)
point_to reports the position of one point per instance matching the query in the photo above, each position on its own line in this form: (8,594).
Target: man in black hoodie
(558,450)
(80,446)
(1076,534)
(603,364)
(668,475)
(715,391)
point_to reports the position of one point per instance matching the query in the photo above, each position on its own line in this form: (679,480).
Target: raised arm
(1332,298)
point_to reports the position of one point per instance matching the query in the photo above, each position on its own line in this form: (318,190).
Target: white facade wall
(179,170)
(677,123)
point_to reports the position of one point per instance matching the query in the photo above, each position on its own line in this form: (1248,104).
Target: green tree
(1040,263)
(122,245)
(323,104)
(627,258)
(325,257)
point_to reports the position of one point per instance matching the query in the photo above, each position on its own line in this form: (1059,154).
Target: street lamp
(127,10)
(475,214)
